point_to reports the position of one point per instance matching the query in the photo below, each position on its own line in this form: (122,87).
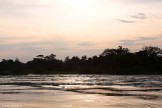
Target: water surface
(81,91)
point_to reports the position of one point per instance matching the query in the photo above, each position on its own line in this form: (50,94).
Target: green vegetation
(118,61)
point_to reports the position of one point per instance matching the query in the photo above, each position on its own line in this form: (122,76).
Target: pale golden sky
(77,27)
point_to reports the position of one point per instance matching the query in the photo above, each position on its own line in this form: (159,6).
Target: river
(81,91)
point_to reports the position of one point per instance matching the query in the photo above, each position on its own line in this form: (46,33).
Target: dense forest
(119,61)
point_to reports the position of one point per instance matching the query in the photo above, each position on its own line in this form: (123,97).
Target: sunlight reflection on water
(81,91)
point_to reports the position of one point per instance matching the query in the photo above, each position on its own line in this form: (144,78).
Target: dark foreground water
(80,91)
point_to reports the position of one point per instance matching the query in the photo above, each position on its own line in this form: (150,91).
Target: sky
(77,27)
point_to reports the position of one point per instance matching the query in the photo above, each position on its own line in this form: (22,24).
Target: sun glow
(81,8)
(81,2)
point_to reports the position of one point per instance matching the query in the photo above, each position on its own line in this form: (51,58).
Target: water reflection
(82,91)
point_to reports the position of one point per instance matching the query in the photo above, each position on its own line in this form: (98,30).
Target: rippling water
(80,91)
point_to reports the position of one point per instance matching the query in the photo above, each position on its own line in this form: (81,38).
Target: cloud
(134,18)
(136,41)
(141,16)
(24,43)
(16,7)
(156,16)
(139,1)
(146,38)
(127,42)
(87,44)
(126,21)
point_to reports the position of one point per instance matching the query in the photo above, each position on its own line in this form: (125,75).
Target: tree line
(119,61)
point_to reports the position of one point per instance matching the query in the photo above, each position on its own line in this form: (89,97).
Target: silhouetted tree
(67,59)
(152,51)
(51,57)
(111,61)
(40,56)
(119,51)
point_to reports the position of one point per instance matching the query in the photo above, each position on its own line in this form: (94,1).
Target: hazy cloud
(16,7)
(87,44)
(146,38)
(139,1)
(136,41)
(126,21)
(127,42)
(8,43)
(141,16)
